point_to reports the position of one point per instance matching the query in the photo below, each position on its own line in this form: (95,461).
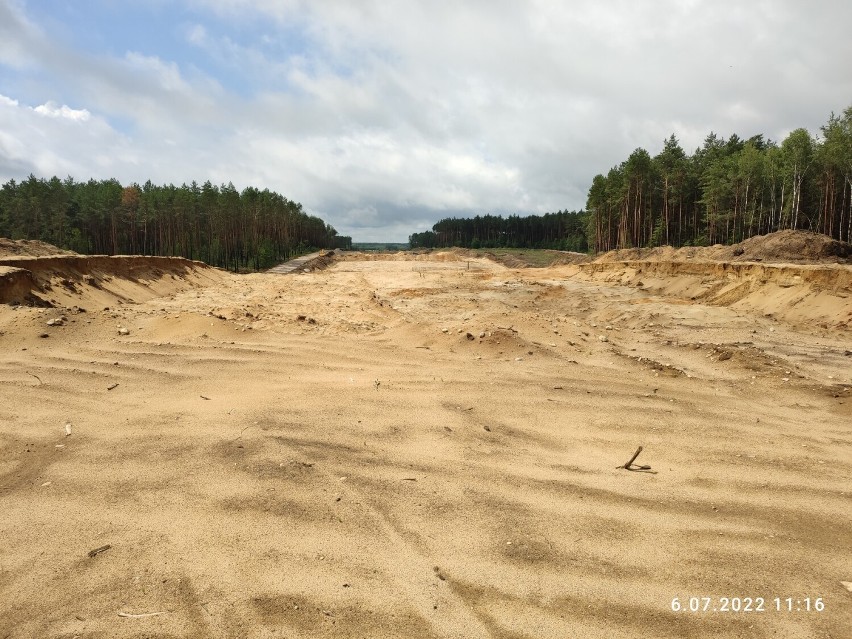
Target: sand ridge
(421,446)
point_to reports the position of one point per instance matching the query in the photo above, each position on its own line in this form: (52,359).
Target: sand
(424,446)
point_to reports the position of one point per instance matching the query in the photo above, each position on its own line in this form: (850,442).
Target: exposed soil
(29,248)
(786,247)
(97,280)
(424,446)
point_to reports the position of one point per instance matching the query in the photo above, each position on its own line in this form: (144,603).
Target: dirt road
(291,266)
(408,448)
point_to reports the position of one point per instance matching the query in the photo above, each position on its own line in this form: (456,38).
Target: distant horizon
(368,245)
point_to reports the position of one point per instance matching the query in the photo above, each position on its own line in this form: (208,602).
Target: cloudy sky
(383,117)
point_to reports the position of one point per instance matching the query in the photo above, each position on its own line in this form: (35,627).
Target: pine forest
(248,230)
(726,191)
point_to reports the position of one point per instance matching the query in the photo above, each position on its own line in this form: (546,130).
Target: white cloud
(197,35)
(17,34)
(40,140)
(361,216)
(51,110)
(394,113)
(165,75)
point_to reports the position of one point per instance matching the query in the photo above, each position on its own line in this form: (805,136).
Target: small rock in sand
(603,338)
(123,331)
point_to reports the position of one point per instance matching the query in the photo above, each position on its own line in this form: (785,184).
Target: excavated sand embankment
(65,280)
(818,293)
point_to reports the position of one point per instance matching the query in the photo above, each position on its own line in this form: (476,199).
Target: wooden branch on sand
(629,464)
(98,551)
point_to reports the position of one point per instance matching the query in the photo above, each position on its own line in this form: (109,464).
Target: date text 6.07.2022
(747,604)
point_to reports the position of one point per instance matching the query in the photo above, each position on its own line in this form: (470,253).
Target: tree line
(563,230)
(248,229)
(727,190)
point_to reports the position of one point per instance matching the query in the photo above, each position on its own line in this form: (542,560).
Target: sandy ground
(427,448)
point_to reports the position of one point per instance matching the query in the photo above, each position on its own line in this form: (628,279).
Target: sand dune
(424,446)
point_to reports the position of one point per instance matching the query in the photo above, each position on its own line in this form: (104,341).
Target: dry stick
(98,551)
(144,614)
(632,459)
(37,377)
(508,328)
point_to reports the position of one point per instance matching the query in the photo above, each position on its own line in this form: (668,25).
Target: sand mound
(800,277)
(788,246)
(785,247)
(323,261)
(31,248)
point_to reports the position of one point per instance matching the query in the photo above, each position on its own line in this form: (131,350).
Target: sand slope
(780,247)
(73,280)
(423,447)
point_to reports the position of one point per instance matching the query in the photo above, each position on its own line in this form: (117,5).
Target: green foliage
(726,191)
(427,239)
(563,230)
(217,224)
